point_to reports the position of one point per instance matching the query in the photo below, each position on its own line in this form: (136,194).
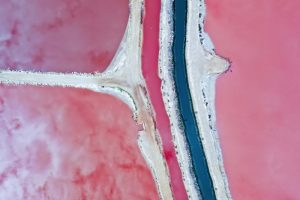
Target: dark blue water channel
(199,162)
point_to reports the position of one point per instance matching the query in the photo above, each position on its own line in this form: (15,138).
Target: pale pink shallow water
(150,73)
(61,35)
(258,109)
(69,144)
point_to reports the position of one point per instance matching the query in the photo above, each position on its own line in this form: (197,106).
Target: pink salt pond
(61,35)
(258,101)
(60,143)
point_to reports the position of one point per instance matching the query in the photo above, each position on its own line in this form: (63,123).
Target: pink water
(150,72)
(69,144)
(258,100)
(61,35)
(79,36)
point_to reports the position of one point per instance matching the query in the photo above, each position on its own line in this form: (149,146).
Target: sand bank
(203,67)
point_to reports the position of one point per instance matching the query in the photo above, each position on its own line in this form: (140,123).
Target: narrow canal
(199,162)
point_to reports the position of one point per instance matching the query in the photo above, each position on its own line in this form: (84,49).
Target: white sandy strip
(122,79)
(170,98)
(203,67)
(76,80)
